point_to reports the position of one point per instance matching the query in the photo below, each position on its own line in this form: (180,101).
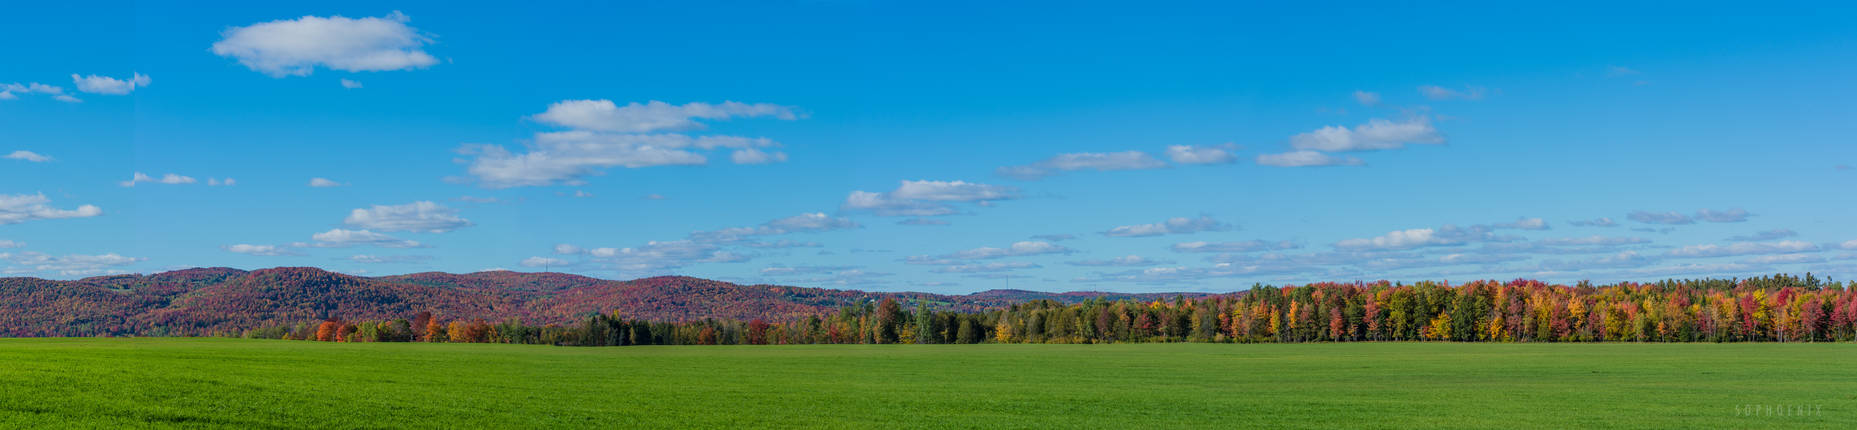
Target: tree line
(1779,308)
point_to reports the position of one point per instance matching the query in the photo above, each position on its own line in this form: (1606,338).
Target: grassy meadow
(234,383)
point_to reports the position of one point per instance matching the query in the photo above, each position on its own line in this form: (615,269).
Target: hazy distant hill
(221,300)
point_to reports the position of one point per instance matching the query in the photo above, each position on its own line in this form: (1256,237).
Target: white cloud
(1775,234)
(1595,222)
(1178,225)
(926,198)
(1849,245)
(1675,218)
(324,183)
(351,84)
(653,116)
(169,179)
(756,156)
(267,250)
(568,156)
(1127,160)
(342,238)
(4,244)
(57,92)
(18,208)
(543,262)
(1220,154)
(1017,249)
(1306,159)
(423,216)
(1666,218)
(1367,98)
(568,249)
(388,259)
(216,182)
(69,265)
(96,84)
(1743,248)
(296,47)
(1523,224)
(1435,92)
(985,267)
(1124,261)
(1400,239)
(1376,134)
(802,223)
(659,257)
(1240,246)
(1785,259)
(1730,215)
(28,156)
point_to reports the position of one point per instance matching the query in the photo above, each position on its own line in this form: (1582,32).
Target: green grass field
(118,383)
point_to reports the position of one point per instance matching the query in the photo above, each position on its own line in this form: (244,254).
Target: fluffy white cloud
(96,84)
(654,116)
(216,182)
(268,250)
(1743,248)
(1220,154)
(4,244)
(323,183)
(757,156)
(926,198)
(1228,247)
(1403,239)
(351,84)
(69,265)
(1306,159)
(297,46)
(659,257)
(170,179)
(568,156)
(1376,134)
(1178,225)
(18,208)
(1435,92)
(28,156)
(1127,160)
(57,92)
(1849,245)
(423,216)
(1366,98)
(1017,249)
(1123,261)
(568,249)
(342,238)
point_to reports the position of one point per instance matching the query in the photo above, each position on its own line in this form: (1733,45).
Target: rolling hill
(208,301)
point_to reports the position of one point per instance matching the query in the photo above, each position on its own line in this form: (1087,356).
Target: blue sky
(945,148)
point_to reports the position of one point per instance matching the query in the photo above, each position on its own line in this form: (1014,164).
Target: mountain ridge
(220,300)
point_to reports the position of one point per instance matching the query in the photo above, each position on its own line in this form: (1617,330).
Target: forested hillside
(221,301)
